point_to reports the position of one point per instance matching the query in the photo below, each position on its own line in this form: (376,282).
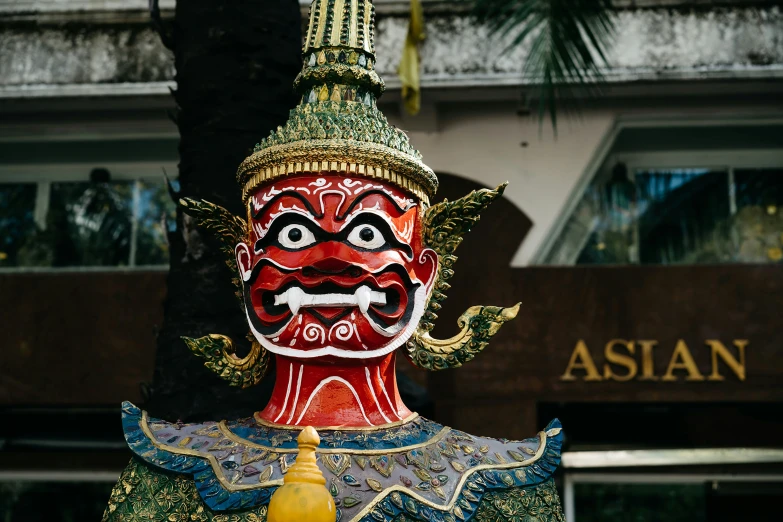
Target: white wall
(483,142)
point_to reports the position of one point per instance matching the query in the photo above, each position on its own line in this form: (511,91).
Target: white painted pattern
(296,397)
(324,383)
(287,392)
(343,330)
(261,230)
(386,394)
(313,331)
(374,397)
(403,236)
(333,192)
(259,200)
(420,298)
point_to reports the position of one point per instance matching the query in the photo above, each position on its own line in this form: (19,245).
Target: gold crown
(337,126)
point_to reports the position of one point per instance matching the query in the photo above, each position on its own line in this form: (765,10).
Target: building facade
(644,238)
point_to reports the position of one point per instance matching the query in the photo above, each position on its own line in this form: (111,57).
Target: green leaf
(567,42)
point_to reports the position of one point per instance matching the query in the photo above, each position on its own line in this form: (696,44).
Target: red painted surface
(336,279)
(335,392)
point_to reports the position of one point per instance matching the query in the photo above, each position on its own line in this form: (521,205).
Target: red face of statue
(337,267)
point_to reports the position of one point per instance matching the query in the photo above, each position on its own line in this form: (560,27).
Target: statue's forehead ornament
(337,126)
(349,189)
(335,201)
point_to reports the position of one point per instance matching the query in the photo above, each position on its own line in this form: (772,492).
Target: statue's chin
(330,351)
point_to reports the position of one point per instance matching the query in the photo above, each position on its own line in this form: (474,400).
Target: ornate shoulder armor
(415,470)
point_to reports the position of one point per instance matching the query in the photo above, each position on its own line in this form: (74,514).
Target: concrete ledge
(61,6)
(651,45)
(86,90)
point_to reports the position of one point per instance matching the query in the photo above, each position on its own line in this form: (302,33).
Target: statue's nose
(333,258)
(350,271)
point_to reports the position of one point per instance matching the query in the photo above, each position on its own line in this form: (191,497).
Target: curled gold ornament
(219,354)
(479,324)
(445,224)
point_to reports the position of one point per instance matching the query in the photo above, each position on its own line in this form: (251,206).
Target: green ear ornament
(220,356)
(445,224)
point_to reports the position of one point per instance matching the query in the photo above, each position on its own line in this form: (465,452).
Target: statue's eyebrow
(383,193)
(291,194)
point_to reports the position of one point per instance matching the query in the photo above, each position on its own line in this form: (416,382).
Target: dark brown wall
(78,338)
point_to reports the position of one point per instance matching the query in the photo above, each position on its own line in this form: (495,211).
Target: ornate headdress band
(337,126)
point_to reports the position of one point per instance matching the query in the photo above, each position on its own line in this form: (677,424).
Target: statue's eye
(366,236)
(295,236)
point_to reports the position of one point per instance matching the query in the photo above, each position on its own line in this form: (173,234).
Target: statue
(341,263)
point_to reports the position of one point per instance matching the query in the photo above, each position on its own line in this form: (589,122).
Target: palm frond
(567,39)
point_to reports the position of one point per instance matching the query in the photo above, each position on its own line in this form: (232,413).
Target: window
(17,221)
(85,223)
(113,212)
(675,207)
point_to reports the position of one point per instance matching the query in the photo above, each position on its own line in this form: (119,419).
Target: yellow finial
(303,496)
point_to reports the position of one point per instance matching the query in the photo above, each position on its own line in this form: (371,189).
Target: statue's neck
(345,393)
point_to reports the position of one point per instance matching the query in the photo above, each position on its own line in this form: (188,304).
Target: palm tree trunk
(236,62)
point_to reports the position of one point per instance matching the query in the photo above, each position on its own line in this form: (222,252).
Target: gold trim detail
(353,39)
(263,422)
(343,27)
(444,226)
(327,451)
(319,31)
(542,437)
(338,23)
(211,458)
(364,159)
(219,355)
(227,228)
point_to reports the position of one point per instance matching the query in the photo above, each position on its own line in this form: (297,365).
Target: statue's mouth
(384,298)
(296,298)
(329,301)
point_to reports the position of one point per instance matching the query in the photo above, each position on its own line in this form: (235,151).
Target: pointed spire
(305,469)
(339,46)
(337,126)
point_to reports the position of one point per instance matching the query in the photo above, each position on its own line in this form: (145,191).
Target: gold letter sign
(623,362)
